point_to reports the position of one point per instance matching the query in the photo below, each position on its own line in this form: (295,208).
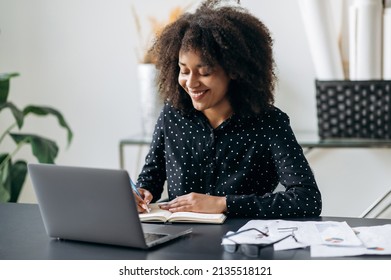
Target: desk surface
(23,237)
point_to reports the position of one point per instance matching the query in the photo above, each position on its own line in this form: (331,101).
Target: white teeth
(198,93)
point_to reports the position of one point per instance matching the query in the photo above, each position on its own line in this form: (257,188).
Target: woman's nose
(192,81)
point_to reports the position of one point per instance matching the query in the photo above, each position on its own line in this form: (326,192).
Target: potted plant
(13,172)
(150,101)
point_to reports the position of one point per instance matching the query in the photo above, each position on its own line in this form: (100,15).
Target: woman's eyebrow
(198,65)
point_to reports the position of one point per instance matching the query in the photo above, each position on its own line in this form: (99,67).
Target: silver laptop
(94,205)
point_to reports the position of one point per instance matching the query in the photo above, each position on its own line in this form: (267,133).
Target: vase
(151,103)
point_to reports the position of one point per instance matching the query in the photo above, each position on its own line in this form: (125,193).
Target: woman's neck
(217,116)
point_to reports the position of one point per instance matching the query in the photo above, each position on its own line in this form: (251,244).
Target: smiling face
(206,85)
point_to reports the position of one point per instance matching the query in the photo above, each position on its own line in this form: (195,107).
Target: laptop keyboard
(150,237)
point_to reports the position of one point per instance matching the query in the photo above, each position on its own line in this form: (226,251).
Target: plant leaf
(5,184)
(42,111)
(4,194)
(18,114)
(18,176)
(45,150)
(5,85)
(12,177)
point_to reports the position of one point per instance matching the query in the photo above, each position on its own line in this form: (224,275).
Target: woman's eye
(206,71)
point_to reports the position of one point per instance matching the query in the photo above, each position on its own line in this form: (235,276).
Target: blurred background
(81,57)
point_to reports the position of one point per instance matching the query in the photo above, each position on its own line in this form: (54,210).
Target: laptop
(94,205)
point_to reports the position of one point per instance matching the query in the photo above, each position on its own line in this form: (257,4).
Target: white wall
(79,56)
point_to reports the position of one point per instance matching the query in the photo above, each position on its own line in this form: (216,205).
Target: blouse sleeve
(153,174)
(301,197)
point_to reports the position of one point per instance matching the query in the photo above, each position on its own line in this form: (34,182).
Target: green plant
(13,173)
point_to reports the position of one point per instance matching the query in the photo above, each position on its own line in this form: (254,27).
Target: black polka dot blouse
(243,159)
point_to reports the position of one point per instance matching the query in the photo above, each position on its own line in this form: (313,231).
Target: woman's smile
(197,95)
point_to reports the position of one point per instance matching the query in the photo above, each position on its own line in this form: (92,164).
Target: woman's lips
(197,95)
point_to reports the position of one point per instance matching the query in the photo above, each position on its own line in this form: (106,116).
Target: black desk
(23,237)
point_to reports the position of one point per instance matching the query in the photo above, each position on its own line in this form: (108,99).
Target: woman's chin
(197,106)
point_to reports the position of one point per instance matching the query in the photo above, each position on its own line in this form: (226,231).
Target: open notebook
(160,215)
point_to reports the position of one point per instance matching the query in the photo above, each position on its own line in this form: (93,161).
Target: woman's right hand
(142,203)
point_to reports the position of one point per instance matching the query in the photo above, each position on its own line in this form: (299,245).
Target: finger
(163,205)
(140,209)
(144,206)
(179,205)
(183,208)
(141,205)
(175,204)
(147,196)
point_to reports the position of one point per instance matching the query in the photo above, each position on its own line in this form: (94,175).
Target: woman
(219,142)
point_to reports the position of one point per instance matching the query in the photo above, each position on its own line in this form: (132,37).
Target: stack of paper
(369,39)
(365,20)
(322,38)
(325,239)
(387,41)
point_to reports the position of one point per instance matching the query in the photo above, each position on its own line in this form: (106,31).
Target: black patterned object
(354,109)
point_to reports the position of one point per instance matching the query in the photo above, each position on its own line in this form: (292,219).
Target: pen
(134,187)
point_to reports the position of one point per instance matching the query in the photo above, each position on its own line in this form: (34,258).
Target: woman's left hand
(196,202)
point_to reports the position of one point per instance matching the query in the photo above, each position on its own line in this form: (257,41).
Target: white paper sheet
(326,239)
(387,43)
(318,251)
(366,41)
(343,39)
(376,239)
(306,234)
(322,38)
(352,43)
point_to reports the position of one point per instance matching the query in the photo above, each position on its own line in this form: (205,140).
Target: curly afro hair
(228,36)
